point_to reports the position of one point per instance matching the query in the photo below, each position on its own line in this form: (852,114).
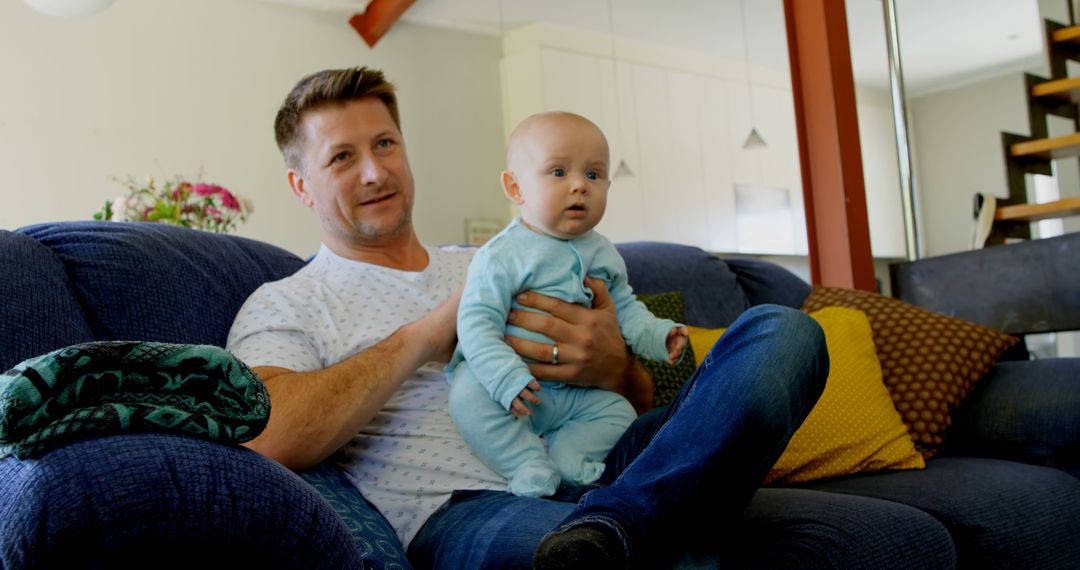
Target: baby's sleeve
(644,332)
(485,305)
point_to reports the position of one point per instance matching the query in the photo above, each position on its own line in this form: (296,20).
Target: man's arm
(312,414)
(592,351)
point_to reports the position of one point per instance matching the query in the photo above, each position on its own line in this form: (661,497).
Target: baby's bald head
(557,173)
(547,128)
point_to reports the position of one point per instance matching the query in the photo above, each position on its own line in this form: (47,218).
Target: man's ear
(296,182)
(511,188)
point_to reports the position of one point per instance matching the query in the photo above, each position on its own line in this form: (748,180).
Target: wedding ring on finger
(554,354)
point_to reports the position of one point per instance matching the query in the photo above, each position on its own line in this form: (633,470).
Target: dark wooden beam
(377,18)
(828,134)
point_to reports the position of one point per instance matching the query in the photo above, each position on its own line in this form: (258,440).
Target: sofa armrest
(120,501)
(1025,411)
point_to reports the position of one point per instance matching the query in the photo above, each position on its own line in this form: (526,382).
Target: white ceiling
(942,42)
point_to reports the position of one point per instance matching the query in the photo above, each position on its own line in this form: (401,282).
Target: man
(351,346)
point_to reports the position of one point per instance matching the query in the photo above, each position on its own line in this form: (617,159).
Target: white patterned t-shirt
(410,458)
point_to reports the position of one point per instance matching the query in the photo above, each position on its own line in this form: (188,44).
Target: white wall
(958,152)
(956,136)
(165,87)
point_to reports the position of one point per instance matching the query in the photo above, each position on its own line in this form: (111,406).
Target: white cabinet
(667,106)
(719,164)
(680,125)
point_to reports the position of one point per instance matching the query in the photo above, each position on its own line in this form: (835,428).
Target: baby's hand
(517,407)
(676,343)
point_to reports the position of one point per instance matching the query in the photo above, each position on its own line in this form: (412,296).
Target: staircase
(1058,96)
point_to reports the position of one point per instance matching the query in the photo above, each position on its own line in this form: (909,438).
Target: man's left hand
(592,351)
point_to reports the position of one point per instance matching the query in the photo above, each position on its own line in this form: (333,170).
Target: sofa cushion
(1025,411)
(712,296)
(801,528)
(161,500)
(149,281)
(764,282)
(40,312)
(929,361)
(1001,514)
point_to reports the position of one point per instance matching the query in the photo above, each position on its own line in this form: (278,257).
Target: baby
(557,173)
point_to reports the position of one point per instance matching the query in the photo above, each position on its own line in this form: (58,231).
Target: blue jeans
(701,457)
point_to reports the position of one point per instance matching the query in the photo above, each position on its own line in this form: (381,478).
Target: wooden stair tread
(1057,147)
(1070,34)
(1067,89)
(1034,212)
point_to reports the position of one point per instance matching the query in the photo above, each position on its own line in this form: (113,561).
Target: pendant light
(622,170)
(754,139)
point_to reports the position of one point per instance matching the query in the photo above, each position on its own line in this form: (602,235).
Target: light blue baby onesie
(579,425)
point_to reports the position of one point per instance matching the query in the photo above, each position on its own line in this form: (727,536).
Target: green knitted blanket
(104,387)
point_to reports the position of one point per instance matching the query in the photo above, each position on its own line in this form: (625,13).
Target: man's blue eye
(383,143)
(341,156)
(558,172)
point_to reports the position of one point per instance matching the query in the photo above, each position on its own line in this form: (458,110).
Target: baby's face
(561,169)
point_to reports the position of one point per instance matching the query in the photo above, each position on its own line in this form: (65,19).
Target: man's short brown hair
(330,86)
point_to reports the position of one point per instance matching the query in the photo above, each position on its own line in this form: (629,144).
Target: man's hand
(528,394)
(316,412)
(592,351)
(439,328)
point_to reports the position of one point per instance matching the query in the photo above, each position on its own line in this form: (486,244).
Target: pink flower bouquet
(194,205)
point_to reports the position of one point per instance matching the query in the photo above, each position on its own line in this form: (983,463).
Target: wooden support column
(376,20)
(828,130)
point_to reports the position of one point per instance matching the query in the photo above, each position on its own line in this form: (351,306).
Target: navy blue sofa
(1005,493)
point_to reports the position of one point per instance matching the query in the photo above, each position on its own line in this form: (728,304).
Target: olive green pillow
(668,378)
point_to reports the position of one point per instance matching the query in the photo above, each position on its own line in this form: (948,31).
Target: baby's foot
(581,471)
(534,480)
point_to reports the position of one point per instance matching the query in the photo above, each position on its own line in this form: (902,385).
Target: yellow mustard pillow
(854,427)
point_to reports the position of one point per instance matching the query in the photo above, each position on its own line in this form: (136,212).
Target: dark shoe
(592,546)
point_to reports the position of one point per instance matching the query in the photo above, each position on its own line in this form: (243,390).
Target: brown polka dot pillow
(929,361)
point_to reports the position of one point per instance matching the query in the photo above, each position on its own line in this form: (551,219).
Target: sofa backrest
(38,312)
(69,282)
(715,291)
(128,281)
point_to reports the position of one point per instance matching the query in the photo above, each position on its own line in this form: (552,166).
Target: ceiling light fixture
(623,169)
(68,8)
(754,140)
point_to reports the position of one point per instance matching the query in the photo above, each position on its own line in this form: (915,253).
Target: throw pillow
(929,361)
(668,379)
(94,388)
(854,427)
(702,340)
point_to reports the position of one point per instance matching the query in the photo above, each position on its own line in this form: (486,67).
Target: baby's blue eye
(558,172)
(592,175)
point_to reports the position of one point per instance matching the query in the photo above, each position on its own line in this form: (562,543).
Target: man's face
(355,174)
(560,166)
